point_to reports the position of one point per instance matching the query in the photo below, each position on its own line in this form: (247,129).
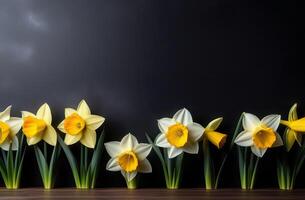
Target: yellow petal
(297,125)
(34,140)
(50,136)
(89,138)
(61,126)
(298,138)
(213,125)
(292,116)
(4,131)
(5,115)
(289,137)
(216,138)
(83,109)
(26,114)
(69,111)
(44,113)
(93,122)
(72,139)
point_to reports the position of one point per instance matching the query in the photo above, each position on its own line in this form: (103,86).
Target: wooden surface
(190,194)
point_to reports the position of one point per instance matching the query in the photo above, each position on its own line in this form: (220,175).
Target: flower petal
(26,114)
(289,138)
(258,151)
(278,141)
(164,123)
(144,166)
(93,122)
(195,131)
(113,148)
(50,136)
(183,116)
(113,165)
(128,142)
(89,138)
(244,139)
(161,141)
(5,115)
(72,139)
(129,175)
(44,113)
(250,121)
(191,148)
(6,144)
(15,124)
(69,111)
(61,127)
(34,140)
(83,109)
(173,152)
(293,115)
(272,121)
(142,150)
(213,125)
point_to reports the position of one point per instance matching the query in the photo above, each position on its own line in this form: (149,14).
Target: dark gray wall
(137,61)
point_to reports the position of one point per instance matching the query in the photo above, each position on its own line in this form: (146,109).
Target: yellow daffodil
(259,134)
(80,125)
(216,138)
(294,127)
(9,127)
(38,127)
(128,156)
(179,134)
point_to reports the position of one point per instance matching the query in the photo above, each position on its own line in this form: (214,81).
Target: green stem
(254,173)
(207,165)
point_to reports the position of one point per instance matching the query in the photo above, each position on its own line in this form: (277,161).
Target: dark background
(137,61)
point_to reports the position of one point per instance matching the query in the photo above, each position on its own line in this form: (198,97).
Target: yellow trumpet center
(74,124)
(4,131)
(128,161)
(32,126)
(177,135)
(264,137)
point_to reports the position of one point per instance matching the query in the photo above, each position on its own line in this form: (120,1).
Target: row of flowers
(178,135)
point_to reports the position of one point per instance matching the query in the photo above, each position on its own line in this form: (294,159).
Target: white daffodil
(9,127)
(80,125)
(38,127)
(128,156)
(179,134)
(259,134)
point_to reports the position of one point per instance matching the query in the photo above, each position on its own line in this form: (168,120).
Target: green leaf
(71,161)
(42,164)
(20,169)
(178,167)
(53,161)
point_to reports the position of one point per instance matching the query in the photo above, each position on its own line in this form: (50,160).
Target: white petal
(183,116)
(5,115)
(93,122)
(15,124)
(258,151)
(44,113)
(72,139)
(278,142)
(195,131)
(164,123)
(244,139)
(191,148)
(113,165)
(113,148)
(161,141)
(89,138)
(128,142)
(6,144)
(34,140)
(129,175)
(142,150)
(83,109)
(69,111)
(15,143)
(26,114)
(272,121)
(144,166)
(250,121)
(173,152)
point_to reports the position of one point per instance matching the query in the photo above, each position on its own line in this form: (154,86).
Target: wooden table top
(119,193)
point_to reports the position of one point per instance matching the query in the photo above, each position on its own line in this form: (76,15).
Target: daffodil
(39,127)
(295,127)
(217,139)
(9,127)
(179,134)
(129,157)
(11,164)
(259,134)
(80,125)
